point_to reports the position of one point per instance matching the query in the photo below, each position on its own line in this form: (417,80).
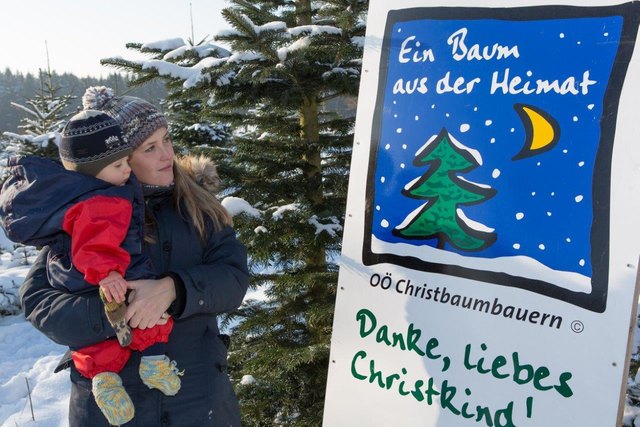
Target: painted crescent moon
(542,131)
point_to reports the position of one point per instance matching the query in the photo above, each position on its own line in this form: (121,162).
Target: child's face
(116,173)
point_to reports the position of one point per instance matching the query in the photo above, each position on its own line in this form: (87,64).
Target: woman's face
(152,161)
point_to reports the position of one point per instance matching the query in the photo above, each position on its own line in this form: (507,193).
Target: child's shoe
(160,373)
(116,316)
(112,398)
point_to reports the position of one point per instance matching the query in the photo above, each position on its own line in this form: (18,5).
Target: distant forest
(17,87)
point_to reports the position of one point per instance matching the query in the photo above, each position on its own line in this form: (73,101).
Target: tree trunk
(303,12)
(312,168)
(310,135)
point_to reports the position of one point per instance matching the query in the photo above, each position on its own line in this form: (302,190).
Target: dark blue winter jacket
(215,278)
(36,197)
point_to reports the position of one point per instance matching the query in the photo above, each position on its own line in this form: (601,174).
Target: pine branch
(25,109)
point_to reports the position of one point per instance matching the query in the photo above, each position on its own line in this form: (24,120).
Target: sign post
(491,245)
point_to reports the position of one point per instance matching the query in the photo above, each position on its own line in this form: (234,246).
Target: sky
(79,34)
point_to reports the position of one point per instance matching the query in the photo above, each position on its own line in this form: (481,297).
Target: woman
(203,270)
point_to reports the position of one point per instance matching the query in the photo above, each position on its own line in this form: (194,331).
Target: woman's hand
(149,302)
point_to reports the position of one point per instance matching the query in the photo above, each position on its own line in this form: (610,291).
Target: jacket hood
(202,170)
(37,194)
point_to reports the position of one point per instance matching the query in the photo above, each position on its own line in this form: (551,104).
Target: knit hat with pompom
(137,117)
(92,140)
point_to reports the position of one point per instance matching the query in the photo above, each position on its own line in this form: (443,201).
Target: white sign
(488,273)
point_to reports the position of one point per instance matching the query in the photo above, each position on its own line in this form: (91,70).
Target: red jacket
(97,227)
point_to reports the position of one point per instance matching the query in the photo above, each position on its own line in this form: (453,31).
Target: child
(93,222)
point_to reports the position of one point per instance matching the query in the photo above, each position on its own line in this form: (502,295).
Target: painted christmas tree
(444,191)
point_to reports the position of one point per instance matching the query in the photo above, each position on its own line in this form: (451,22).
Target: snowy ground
(27,358)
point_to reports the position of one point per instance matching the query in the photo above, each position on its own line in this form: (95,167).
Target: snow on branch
(229,32)
(176,53)
(225,79)
(202,51)
(206,49)
(353,72)
(270,26)
(277,214)
(163,45)
(55,104)
(214,131)
(237,206)
(191,75)
(302,43)
(330,229)
(246,57)
(257,29)
(314,30)
(358,40)
(36,113)
(39,140)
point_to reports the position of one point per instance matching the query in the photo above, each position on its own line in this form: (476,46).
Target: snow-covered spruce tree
(192,131)
(45,117)
(289,160)
(290,58)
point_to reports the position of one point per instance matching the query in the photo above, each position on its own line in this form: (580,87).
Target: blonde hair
(196,193)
